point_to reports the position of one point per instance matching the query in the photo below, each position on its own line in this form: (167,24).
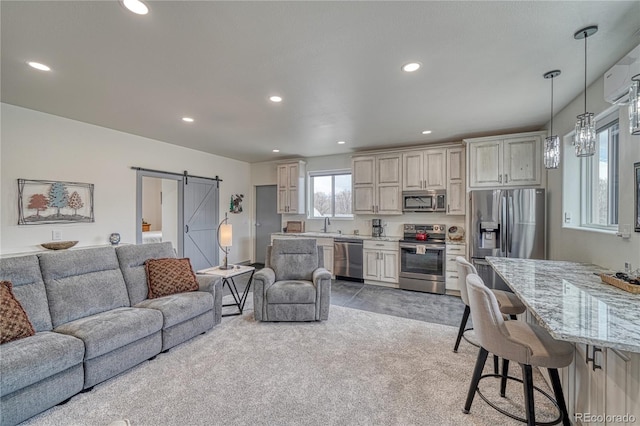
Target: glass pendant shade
(634,106)
(584,139)
(552,152)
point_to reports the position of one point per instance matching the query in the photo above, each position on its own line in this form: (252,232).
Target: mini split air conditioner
(618,79)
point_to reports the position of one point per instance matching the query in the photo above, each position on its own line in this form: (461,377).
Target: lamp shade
(226,235)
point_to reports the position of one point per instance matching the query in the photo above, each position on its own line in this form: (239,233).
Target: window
(330,194)
(599,179)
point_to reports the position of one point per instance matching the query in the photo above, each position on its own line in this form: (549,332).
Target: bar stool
(508,302)
(527,344)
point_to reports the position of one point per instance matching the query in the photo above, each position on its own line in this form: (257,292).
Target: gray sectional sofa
(93,320)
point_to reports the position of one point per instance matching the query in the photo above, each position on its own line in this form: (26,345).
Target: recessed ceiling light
(275,99)
(136,6)
(187,119)
(411,66)
(426,132)
(276,150)
(341,142)
(39,66)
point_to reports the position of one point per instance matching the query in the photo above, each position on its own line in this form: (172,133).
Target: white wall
(43,146)
(604,249)
(151,206)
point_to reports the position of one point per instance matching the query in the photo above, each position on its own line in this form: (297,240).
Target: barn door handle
(186,229)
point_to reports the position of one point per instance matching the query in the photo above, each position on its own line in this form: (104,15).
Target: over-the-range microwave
(424,201)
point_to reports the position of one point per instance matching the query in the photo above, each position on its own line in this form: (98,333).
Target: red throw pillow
(169,276)
(14,322)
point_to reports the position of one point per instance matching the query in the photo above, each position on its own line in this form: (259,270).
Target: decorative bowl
(59,245)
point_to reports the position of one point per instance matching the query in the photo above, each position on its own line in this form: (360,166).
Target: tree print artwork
(38,202)
(41,202)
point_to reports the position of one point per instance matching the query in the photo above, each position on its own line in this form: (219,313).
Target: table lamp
(225,239)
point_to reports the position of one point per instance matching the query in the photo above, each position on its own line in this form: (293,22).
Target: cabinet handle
(594,366)
(380,245)
(506,178)
(452,276)
(448,208)
(373,209)
(500,179)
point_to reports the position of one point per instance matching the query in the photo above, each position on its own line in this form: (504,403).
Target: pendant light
(584,139)
(552,142)
(634,105)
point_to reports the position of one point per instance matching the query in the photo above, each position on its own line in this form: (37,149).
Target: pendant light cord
(551,106)
(585,71)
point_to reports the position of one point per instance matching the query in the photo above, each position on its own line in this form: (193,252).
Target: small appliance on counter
(376,228)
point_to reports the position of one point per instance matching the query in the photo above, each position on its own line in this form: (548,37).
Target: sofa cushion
(28,287)
(291,291)
(81,283)
(14,322)
(106,331)
(131,258)
(177,308)
(170,276)
(27,361)
(294,259)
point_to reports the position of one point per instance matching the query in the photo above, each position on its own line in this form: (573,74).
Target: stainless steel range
(422,258)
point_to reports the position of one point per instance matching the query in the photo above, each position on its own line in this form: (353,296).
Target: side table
(227,280)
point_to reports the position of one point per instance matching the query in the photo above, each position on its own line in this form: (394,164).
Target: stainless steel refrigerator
(506,223)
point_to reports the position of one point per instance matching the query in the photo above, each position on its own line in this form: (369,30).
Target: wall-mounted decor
(44,201)
(235,206)
(636,170)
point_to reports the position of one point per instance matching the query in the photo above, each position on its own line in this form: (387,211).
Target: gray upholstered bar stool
(508,302)
(527,344)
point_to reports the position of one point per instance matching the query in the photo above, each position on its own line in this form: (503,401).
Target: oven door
(428,266)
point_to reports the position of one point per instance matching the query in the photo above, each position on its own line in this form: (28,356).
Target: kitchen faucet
(327,222)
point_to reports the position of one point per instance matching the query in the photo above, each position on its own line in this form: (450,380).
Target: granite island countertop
(572,303)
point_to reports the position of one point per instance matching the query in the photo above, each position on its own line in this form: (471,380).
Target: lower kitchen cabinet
(380,261)
(451,268)
(602,386)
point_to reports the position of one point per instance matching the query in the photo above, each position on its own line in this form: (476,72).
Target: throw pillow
(14,322)
(169,276)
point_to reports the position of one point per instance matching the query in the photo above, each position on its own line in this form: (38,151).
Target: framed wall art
(44,201)
(636,213)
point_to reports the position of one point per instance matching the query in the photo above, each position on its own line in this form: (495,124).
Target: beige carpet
(357,368)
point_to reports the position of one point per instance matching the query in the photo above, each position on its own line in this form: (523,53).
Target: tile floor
(434,308)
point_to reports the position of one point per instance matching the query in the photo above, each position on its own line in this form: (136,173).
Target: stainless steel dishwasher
(347,258)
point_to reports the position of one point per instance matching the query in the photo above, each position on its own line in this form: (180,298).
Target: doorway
(181,209)
(268,221)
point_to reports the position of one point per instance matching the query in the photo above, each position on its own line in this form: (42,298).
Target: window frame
(333,174)
(589,179)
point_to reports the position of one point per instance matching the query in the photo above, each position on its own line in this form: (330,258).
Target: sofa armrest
(212,284)
(322,282)
(262,280)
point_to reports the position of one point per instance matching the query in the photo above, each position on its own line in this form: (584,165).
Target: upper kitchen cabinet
(424,169)
(376,184)
(456,193)
(291,187)
(507,160)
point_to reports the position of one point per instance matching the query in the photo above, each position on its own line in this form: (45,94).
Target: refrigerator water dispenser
(490,235)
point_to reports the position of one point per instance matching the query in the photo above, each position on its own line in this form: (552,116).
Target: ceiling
(336,65)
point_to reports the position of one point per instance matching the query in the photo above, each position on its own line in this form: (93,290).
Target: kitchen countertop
(572,303)
(336,235)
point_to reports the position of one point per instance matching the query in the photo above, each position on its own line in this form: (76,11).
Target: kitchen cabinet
(376,184)
(508,160)
(424,169)
(451,269)
(599,382)
(381,261)
(456,192)
(291,188)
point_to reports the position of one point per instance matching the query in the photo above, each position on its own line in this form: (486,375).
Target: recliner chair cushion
(291,291)
(294,259)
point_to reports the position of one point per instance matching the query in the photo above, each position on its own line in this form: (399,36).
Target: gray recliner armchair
(293,285)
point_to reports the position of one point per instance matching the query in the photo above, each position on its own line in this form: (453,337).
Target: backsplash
(392,224)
